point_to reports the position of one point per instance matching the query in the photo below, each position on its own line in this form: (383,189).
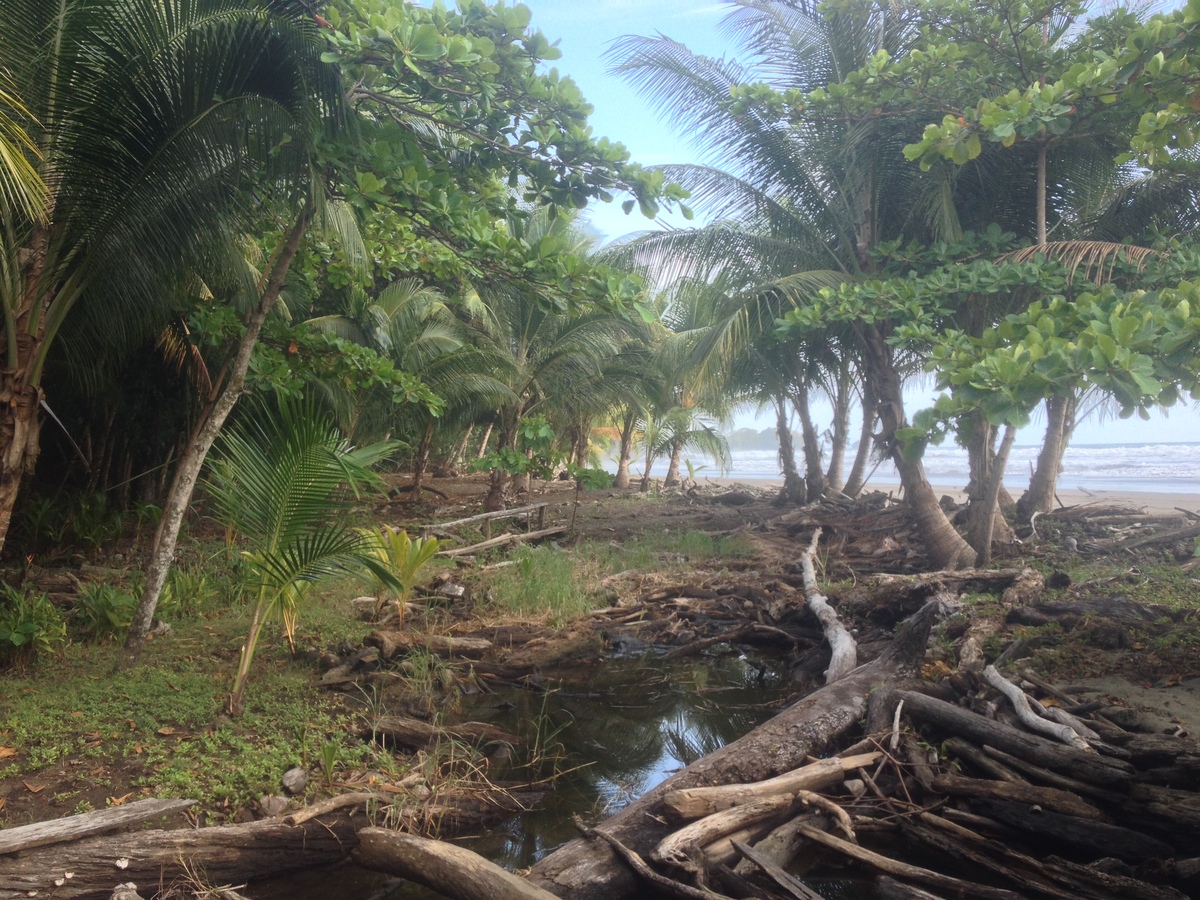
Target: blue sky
(585,29)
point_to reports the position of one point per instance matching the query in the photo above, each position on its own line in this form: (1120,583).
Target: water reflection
(617,727)
(623,727)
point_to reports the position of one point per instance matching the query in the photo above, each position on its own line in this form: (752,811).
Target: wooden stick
(505,539)
(888,866)
(332,804)
(499,514)
(1028,717)
(845,651)
(73,828)
(791,885)
(692,803)
(450,870)
(643,871)
(682,849)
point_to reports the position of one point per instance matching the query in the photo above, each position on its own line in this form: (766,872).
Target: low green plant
(94,522)
(284,481)
(30,626)
(541,581)
(188,593)
(103,610)
(331,755)
(401,556)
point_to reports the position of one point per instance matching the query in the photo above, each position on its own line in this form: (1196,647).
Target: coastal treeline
(370,209)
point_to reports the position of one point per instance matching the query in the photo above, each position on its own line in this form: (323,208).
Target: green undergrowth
(564,584)
(87,730)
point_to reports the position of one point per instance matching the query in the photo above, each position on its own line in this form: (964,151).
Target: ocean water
(1156,468)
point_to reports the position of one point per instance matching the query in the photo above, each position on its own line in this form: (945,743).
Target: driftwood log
(845,650)
(416,734)
(448,869)
(74,828)
(584,870)
(231,854)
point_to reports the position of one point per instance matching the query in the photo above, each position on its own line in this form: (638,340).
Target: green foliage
(94,522)
(30,626)
(541,582)
(103,610)
(189,591)
(403,558)
(284,482)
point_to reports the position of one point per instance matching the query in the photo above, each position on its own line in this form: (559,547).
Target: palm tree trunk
(982,459)
(945,546)
(672,479)
(649,456)
(866,440)
(991,509)
(421,462)
(841,429)
(187,473)
(794,489)
(621,480)
(20,397)
(456,457)
(814,476)
(483,444)
(1039,498)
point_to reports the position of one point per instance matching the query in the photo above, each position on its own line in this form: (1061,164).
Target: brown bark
(451,871)
(228,855)
(672,479)
(187,473)
(866,440)
(585,871)
(1039,498)
(621,480)
(794,489)
(814,476)
(85,825)
(421,461)
(989,511)
(946,547)
(20,394)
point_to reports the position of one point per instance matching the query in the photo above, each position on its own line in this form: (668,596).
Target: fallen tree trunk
(845,650)
(588,870)
(692,803)
(450,870)
(74,828)
(231,854)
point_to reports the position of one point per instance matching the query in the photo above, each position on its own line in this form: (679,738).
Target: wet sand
(1151,502)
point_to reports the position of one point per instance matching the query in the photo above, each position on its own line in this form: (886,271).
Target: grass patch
(541,581)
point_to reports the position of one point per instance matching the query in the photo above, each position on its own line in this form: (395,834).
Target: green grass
(563,584)
(162,719)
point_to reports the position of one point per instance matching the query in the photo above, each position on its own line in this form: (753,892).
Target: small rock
(273,805)
(295,780)
(161,627)
(855,786)
(244,817)
(454,591)
(126,891)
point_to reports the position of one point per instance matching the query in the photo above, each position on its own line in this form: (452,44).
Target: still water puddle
(616,728)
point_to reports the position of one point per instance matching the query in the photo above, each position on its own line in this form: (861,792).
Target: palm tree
(21,185)
(154,119)
(284,481)
(547,352)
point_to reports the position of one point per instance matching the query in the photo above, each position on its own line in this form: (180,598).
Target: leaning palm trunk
(1060,422)
(990,512)
(213,417)
(841,430)
(983,459)
(621,480)
(814,477)
(421,461)
(672,479)
(866,440)
(945,546)
(794,490)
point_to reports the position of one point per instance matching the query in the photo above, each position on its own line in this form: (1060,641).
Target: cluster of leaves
(30,626)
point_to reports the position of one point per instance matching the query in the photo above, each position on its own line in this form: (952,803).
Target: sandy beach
(1151,502)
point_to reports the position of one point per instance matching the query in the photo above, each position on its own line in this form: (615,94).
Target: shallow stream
(617,728)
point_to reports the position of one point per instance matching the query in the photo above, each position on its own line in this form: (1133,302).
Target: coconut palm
(163,125)
(283,481)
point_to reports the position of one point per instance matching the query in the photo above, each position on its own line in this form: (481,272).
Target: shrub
(104,610)
(30,625)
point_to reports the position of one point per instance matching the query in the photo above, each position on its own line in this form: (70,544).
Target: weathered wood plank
(74,828)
